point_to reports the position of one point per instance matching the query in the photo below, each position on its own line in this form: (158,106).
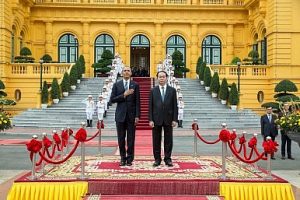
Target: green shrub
(201,71)
(223,93)
(233,95)
(179,65)
(55,90)
(274,105)
(235,60)
(73,75)
(47,58)
(45,94)
(215,83)
(199,63)
(82,64)
(65,83)
(25,51)
(104,62)
(286,86)
(207,77)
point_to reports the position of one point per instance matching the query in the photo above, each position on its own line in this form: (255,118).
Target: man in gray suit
(163,113)
(126,94)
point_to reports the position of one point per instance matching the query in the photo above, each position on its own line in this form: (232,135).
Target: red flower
(224,135)
(270,146)
(195,126)
(252,142)
(242,139)
(56,138)
(65,137)
(81,135)
(47,143)
(34,146)
(233,136)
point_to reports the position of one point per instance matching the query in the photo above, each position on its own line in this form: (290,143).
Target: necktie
(126,85)
(269,116)
(162,93)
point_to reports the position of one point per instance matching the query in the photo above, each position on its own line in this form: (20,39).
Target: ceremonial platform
(196,177)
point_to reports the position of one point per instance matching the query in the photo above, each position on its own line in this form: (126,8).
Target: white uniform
(100,109)
(180,109)
(89,108)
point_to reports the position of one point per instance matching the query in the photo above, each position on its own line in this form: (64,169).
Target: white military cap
(100,95)
(90,96)
(180,95)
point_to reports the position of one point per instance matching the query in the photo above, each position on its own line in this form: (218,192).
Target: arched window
(255,43)
(103,42)
(13,33)
(211,50)
(67,48)
(176,42)
(21,40)
(140,41)
(263,52)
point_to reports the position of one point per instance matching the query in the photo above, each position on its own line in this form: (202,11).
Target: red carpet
(154,197)
(145,84)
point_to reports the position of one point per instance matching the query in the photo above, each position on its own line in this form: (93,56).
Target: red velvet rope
(63,160)
(257,154)
(92,137)
(52,153)
(205,141)
(65,138)
(244,160)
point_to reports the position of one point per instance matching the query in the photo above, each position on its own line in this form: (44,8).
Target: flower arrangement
(5,122)
(290,122)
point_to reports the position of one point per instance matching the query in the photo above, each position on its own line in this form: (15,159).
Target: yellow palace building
(143,32)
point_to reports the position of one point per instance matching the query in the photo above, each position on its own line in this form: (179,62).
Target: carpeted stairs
(145,87)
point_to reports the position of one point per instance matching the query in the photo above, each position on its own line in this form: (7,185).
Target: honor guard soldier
(89,110)
(180,110)
(100,108)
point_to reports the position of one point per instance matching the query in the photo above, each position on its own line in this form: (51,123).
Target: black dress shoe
(291,158)
(169,163)
(122,163)
(283,158)
(156,164)
(129,163)
(273,158)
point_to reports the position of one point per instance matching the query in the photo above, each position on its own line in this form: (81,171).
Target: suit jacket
(129,105)
(163,112)
(268,128)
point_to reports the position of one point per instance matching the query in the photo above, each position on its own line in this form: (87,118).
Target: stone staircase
(209,111)
(198,105)
(68,112)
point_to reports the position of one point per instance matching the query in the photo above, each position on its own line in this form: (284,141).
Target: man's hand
(151,124)
(136,120)
(174,123)
(128,92)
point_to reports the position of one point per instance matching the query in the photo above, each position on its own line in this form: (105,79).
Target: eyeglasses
(126,70)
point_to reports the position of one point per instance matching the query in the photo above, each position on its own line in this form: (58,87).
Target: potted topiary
(65,85)
(201,72)
(215,85)
(45,95)
(46,58)
(199,63)
(55,91)
(233,97)
(207,78)
(223,93)
(81,62)
(101,68)
(73,77)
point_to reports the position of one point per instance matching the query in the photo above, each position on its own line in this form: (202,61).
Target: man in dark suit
(268,126)
(285,140)
(163,113)
(126,94)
